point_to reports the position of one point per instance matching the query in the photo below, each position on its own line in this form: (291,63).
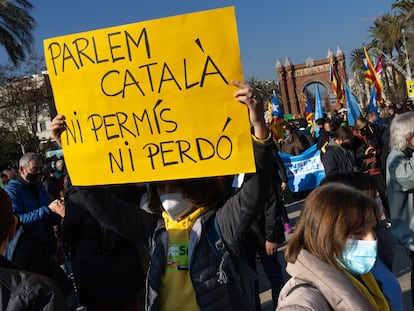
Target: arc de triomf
(293,80)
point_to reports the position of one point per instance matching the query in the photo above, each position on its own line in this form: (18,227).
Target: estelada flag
(308,109)
(276,123)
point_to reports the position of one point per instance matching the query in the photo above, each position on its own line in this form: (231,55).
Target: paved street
(401,268)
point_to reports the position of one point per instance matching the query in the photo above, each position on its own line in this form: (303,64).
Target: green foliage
(9,148)
(265,87)
(24,97)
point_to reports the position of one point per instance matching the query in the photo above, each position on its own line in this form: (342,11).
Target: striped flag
(378,67)
(372,76)
(337,85)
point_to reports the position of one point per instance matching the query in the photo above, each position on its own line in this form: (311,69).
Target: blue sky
(268,29)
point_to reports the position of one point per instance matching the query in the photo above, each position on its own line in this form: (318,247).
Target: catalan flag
(337,84)
(304,99)
(371,75)
(277,120)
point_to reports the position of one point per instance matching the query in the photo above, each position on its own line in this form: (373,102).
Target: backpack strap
(216,242)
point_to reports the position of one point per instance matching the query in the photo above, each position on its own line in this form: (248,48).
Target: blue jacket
(32,210)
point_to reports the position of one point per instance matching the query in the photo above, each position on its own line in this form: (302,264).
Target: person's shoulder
(15,278)
(395,153)
(31,287)
(12,183)
(13,186)
(301,296)
(331,148)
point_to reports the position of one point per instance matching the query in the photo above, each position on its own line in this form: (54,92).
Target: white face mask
(175,205)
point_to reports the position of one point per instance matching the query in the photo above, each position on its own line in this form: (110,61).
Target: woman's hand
(57,126)
(254,101)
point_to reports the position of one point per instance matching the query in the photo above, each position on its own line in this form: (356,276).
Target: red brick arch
(294,78)
(311,80)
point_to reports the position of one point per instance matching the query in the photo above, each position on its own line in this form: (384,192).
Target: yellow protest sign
(410,88)
(152,100)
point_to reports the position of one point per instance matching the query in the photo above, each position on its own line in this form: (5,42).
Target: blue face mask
(358,256)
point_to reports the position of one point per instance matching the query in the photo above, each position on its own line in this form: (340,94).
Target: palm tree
(356,61)
(357,67)
(16,26)
(386,36)
(405,14)
(405,8)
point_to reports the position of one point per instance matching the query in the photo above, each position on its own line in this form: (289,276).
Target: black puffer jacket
(22,290)
(234,218)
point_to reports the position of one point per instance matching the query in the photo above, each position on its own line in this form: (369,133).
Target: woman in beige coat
(331,252)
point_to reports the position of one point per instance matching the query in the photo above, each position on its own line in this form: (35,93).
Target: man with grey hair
(31,202)
(400,183)
(34,247)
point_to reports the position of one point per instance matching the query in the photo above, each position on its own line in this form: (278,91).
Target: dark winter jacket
(27,251)
(268,224)
(305,137)
(234,218)
(106,266)
(22,290)
(322,140)
(336,159)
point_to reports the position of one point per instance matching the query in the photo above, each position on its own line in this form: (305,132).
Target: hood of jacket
(333,286)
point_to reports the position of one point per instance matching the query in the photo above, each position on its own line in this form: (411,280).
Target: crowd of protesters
(110,248)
